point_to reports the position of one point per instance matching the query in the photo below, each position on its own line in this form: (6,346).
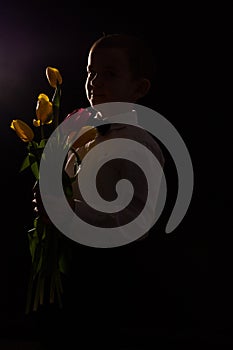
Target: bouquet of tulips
(49,248)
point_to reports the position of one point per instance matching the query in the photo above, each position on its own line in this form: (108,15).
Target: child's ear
(143,87)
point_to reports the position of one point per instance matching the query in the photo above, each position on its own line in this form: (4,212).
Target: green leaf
(40,227)
(35,169)
(33,242)
(26,163)
(32,146)
(42,143)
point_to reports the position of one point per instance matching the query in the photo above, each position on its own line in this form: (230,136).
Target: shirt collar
(120,119)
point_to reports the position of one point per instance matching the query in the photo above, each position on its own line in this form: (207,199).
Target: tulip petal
(23,130)
(54,77)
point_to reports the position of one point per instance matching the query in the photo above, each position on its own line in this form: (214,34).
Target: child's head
(120,69)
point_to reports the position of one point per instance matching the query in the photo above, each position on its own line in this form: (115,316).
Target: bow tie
(103,129)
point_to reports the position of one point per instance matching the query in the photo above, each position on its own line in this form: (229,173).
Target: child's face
(109,77)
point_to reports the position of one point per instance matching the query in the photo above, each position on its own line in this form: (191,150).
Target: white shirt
(104,152)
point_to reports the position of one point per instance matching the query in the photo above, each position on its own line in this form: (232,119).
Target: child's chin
(98,100)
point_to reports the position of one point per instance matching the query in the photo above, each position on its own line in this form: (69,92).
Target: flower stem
(42,131)
(56,105)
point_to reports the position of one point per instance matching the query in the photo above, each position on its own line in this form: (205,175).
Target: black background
(192,90)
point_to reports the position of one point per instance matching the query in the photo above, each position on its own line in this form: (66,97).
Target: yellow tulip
(44,111)
(22,130)
(54,77)
(43,97)
(86,134)
(36,122)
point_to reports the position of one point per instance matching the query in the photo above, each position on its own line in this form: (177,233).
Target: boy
(113,290)
(119,74)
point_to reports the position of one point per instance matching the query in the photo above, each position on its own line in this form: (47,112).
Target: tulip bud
(44,110)
(22,130)
(54,77)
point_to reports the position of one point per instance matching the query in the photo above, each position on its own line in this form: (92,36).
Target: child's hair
(141,58)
